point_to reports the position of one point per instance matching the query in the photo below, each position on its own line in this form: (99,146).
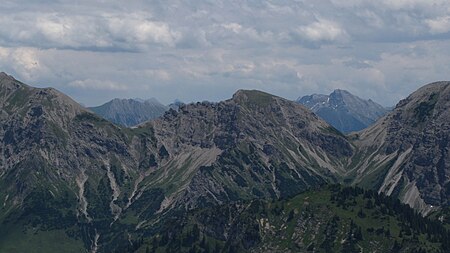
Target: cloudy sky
(198,50)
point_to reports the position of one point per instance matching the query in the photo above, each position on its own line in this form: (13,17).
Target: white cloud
(208,49)
(235,27)
(240,35)
(93,84)
(347,3)
(322,30)
(158,74)
(58,30)
(411,4)
(54,30)
(23,61)
(137,29)
(439,25)
(3,53)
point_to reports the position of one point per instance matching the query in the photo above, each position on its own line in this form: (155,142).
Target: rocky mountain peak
(253,98)
(429,101)
(19,98)
(411,146)
(3,75)
(342,92)
(9,84)
(343,110)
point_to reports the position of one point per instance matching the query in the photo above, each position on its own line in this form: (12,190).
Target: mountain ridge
(94,176)
(106,185)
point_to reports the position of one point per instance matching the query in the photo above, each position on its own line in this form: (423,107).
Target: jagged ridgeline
(343,110)
(68,174)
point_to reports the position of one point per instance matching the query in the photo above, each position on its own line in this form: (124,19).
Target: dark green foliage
(286,185)
(353,236)
(119,173)
(149,202)
(337,217)
(49,212)
(163,153)
(100,197)
(147,162)
(344,225)
(330,234)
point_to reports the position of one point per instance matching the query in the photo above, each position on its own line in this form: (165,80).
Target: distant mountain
(130,112)
(344,111)
(407,153)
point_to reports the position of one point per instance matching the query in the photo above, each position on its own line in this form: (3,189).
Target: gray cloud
(196,50)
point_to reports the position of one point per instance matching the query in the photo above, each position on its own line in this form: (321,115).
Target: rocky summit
(343,110)
(407,153)
(67,173)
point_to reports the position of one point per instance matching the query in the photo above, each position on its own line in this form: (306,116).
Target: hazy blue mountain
(130,112)
(344,111)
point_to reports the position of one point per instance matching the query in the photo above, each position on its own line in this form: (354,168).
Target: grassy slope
(328,220)
(19,240)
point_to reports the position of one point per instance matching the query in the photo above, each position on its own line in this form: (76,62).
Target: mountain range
(100,187)
(343,110)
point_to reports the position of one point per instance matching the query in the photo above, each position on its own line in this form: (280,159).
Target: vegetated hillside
(67,172)
(343,110)
(60,170)
(331,219)
(407,153)
(130,112)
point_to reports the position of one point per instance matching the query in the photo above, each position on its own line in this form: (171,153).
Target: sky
(196,50)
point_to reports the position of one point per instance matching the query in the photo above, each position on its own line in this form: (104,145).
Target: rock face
(344,111)
(130,112)
(63,167)
(257,145)
(407,153)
